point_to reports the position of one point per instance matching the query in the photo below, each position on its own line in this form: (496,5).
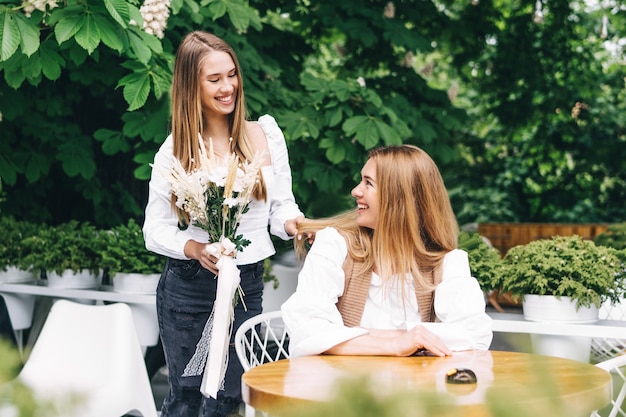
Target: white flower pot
(15,275)
(69,279)
(548,308)
(132,283)
(21,308)
(551,308)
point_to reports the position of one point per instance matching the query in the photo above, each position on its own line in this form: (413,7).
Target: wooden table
(526,382)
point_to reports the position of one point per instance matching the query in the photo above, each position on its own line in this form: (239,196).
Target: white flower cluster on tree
(155,14)
(31,5)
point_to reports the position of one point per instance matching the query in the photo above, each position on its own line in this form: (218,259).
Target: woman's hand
(291,226)
(197,250)
(419,338)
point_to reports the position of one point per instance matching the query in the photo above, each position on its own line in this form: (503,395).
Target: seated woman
(387,278)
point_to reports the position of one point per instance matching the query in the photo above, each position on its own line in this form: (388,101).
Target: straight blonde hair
(416,226)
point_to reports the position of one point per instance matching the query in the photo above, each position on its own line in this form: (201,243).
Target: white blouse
(160,229)
(315,325)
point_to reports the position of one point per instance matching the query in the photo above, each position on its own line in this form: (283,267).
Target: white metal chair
(617,367)
(90,352)
(261,339)
(603,348)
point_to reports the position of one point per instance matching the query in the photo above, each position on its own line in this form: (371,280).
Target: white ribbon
(211,355)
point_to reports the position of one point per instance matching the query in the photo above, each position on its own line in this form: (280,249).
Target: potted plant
(562,279)
(578,271)
(131,267)
(605,348)
(484,259)
(69,254)
(12,252)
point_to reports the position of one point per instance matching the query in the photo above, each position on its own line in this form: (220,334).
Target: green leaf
(76,158)
(8,170)
(118,9)
(135,16)
(37,166)
(78,56)
(389,135)
(153,42)
(161,81)
(9,35)
(312,83)
(240,15)
(139,47)
(88,36)
(217,9)
(32,67)
(110,35)
(341,89)
(51,61)
(14,78)
(367,134)
(113,141)
(336,154)
(68,27)
(334,117)
(425,132)
(351,125)
(136,90)
(176,5)
(30,34)
(143,172)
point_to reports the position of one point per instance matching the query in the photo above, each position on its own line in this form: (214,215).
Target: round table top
(504,379)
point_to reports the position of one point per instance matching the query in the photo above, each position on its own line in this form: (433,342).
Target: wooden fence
(506,235)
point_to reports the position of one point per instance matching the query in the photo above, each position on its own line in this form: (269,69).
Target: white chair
(603,348)
(617,367)
(260,339)
(90,352)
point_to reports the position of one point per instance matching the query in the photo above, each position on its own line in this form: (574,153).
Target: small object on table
(460,376)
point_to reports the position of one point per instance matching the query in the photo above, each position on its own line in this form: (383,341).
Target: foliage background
(524,115)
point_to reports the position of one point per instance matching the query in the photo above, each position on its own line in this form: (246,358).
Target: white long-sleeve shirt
(160,229)
(315,325)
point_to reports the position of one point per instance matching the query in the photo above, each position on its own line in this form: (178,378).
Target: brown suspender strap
(356,288)
(426,300)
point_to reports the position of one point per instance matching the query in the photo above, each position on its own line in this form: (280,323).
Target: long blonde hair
(416,226)
(187,120)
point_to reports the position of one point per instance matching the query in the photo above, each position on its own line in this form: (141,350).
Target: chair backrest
(617,367)
(604,348)
(91,351)
(262,338)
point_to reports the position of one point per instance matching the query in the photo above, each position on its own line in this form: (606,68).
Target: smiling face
(366,195)
(219,83)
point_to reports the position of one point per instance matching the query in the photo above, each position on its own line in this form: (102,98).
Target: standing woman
(387,278)
(208,105)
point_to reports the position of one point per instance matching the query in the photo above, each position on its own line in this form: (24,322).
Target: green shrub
(564,266)
(484,260)
(125,251)
(12,251)
(614,236)
(69,246)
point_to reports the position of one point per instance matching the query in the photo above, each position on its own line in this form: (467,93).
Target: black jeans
(185,298)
